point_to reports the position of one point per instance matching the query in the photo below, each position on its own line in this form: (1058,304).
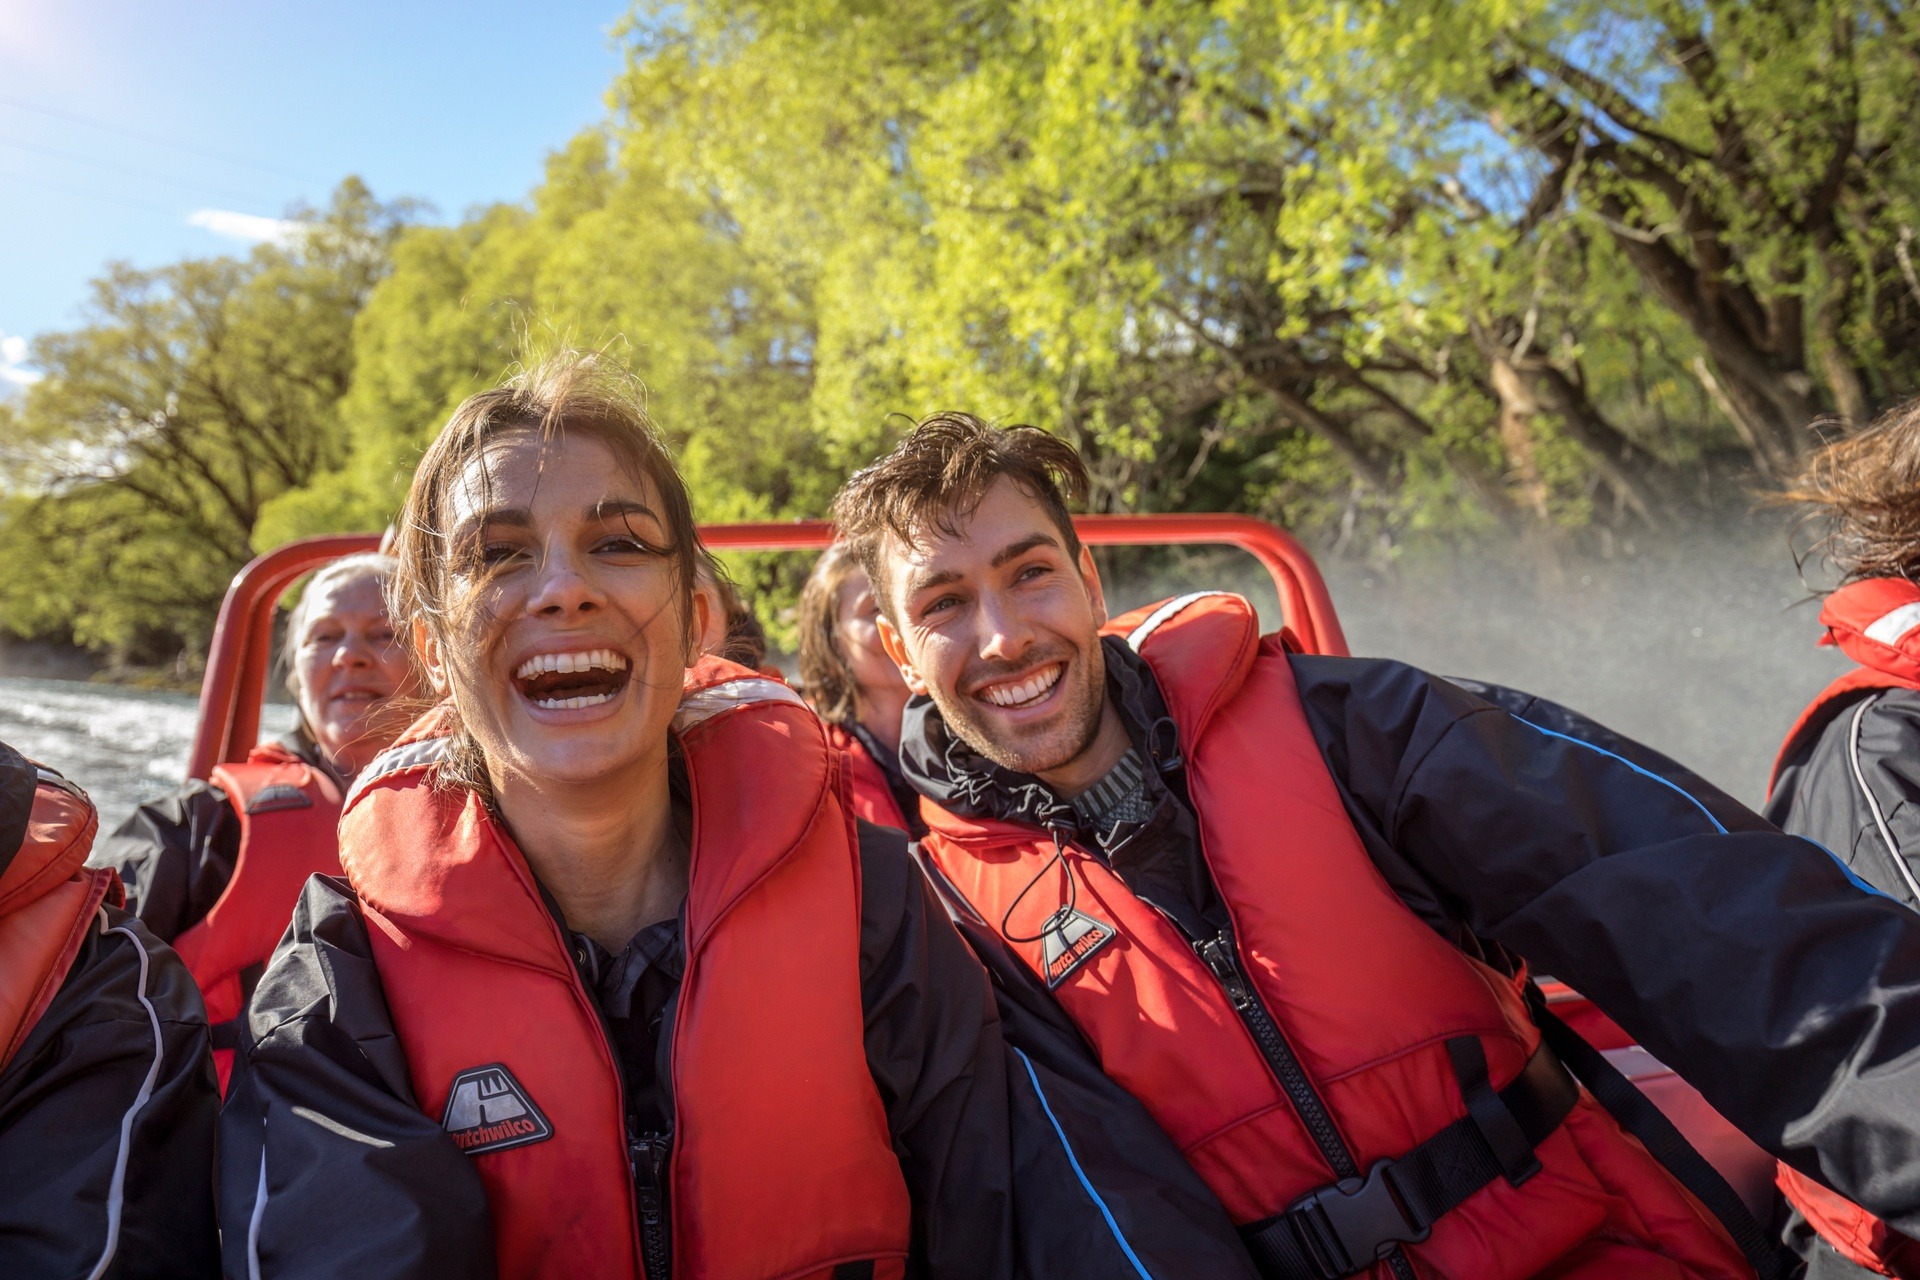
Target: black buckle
(1349,1226)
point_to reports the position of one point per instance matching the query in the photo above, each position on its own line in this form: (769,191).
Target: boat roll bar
(237,666)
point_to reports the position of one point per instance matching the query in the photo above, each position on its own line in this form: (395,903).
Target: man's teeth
(564,663)
(568,704)
(1012,695)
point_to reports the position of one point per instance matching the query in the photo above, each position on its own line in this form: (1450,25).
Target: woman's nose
(562,587)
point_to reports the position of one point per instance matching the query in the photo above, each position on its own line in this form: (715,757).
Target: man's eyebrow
(1014,551)
(916,585)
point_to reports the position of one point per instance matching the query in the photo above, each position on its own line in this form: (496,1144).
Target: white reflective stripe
(259,1212)
(117,1189)
(414,755)
(1889,629)
(1151,624)
(1873,805)
(711,701)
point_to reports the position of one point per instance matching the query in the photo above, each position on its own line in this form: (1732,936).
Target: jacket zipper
(1218,953)
(647,1156)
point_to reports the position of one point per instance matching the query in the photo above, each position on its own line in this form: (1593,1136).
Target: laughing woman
(614,985)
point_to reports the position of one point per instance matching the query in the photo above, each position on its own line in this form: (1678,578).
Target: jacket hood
(1876,622)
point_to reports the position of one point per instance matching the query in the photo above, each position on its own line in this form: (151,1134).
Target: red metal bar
(237,666)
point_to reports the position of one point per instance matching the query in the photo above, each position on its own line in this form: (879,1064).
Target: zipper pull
(1217,952)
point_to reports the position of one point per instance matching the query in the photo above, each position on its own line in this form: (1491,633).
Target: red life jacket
(873,798)
(48,901)
(1366,996)
(1876,622)
(781,1164)
(289,812)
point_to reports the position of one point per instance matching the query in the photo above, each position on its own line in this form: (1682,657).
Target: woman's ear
(428,647)
(703,615)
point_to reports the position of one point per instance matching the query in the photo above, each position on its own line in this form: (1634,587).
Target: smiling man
(1292,900)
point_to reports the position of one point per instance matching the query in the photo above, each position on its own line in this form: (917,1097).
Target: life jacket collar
(1876,622)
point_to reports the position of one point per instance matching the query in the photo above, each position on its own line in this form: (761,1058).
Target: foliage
(1392,268)
(139,465)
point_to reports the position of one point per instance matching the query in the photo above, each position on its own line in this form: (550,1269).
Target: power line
(155,139)
(63,189)
(126,171)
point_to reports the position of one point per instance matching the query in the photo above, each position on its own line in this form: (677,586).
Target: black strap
(1343,1229)
(861,1270)
(230,1034)
(1640,1117)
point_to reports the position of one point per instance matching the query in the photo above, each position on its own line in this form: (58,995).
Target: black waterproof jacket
(176,854)
(1021,1158)
(1753,963)
(107,1110)
(1851,781)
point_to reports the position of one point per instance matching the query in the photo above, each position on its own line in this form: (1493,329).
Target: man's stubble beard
(1066,741)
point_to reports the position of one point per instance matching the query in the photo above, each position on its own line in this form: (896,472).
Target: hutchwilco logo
(1071,937)
(488,1110)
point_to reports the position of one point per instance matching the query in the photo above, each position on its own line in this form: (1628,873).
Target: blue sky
(217,113)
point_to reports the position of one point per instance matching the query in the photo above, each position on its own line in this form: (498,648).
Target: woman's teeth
(565,663)
(568,704)
(1012,695)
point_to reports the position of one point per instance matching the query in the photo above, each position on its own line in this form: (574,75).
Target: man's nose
(1004,634)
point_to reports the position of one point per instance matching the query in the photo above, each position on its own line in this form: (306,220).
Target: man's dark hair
(939,474)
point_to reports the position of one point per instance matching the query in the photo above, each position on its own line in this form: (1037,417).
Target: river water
(124,746)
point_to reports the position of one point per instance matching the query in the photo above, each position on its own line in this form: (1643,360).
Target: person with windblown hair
(1848,773)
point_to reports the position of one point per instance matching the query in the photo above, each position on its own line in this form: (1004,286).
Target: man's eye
(1031,572)
(939,605)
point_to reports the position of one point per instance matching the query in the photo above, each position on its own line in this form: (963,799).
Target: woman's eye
(625,546)
(496,553)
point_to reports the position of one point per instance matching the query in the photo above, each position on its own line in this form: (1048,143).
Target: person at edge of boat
(849,679)
(1292,900)
(613,985)
(214,868)
(1848,772)
(107,1098)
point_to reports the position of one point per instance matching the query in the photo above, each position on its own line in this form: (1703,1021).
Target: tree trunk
(1518,408)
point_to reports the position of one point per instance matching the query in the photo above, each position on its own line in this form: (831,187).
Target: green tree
(140,464)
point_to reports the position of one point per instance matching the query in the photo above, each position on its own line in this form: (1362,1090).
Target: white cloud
(250,227)
(13,361)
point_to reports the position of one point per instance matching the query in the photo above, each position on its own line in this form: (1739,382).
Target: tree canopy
(1374,268)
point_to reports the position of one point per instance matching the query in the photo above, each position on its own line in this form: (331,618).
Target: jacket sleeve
(327,1166)
(1855,788)
(175,856)
(1755,964)
(107,1116)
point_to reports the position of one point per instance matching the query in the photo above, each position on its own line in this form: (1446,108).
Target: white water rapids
(124,746)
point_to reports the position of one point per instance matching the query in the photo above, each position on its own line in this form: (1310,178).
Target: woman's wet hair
(825,676)
(1864,489)
(568,393)
(365,564)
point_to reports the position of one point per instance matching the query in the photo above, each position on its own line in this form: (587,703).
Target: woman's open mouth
(568,681)
(1027,691)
